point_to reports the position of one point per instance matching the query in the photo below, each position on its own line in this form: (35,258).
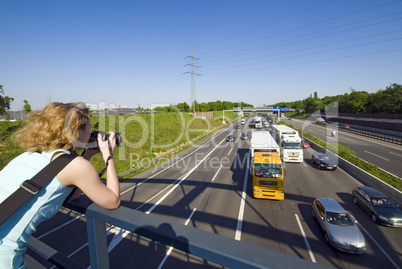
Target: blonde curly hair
(57,126)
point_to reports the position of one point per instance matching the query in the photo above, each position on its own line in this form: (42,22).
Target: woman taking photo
(56,130)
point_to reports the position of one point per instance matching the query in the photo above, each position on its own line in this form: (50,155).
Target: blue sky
(120,52)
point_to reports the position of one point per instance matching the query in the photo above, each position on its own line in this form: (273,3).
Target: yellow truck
(267,168)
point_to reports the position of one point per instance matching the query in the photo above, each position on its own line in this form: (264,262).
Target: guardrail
(206,245)
(387,138)
(49,254)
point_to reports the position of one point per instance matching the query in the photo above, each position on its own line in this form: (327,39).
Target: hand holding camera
(104,142)
(107,144)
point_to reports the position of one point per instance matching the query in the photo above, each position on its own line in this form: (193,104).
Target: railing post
(97,243)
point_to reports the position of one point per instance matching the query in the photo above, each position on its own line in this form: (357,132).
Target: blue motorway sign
(281,109)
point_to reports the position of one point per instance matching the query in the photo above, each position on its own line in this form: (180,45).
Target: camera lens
(118,138)
(93,140)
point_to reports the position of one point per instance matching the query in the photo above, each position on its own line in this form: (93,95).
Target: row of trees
(382,101)
(5,102)
(203,107)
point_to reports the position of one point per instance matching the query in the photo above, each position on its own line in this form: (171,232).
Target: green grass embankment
(349,155)
(8,149)
(145,136)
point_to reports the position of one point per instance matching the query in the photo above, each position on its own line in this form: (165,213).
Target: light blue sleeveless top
(15,231)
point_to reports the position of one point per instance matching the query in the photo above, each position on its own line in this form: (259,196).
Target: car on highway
(323,161)
(244,136)
(230,138)
(346,126)
(304,143)
(340,229)
(378,205)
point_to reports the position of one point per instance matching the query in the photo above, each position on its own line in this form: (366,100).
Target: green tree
(356,102)
(195,107)
(313,104)
(204,107)
(298,105)
(386,101)
(393,99)
(282,104)
(5,101)
(227,105)
(215,106)
(27,107)
(184,107)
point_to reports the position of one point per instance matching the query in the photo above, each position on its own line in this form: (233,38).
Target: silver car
(340,229)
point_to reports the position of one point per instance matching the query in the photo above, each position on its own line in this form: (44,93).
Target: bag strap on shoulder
(32,186)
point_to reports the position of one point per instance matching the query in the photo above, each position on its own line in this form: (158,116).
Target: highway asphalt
(385,155)
(203,186)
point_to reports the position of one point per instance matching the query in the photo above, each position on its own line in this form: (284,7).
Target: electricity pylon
(194,74)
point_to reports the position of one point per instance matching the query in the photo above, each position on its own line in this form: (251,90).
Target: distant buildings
(14,115)
(117,111)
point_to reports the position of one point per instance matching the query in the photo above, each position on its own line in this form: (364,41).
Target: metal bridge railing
(206,245)
(209,246)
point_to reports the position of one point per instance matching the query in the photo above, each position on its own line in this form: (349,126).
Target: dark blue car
(323,161)
(230,138)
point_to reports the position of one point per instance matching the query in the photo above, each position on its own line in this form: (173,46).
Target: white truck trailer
(290,143)
(263,141)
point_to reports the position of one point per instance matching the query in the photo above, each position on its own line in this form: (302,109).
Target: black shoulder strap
(32,186)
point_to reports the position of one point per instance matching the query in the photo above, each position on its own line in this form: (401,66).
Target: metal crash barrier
(387,138)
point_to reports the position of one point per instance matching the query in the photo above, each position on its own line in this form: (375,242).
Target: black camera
(93,140)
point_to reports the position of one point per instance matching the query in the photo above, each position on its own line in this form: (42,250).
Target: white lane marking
(61,226)
(116,239)
(305,239)
(182,159)
(171,248)
(399,155)
(181,180)
(376,155)
(217,172)
(378,245)
(230,151)
(242,202)
(159,193)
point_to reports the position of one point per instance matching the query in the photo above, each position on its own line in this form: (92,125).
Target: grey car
(244,136)
(340,229)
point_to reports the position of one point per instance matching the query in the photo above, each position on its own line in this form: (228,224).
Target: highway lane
(203,186)
(278,229)
(383,154)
